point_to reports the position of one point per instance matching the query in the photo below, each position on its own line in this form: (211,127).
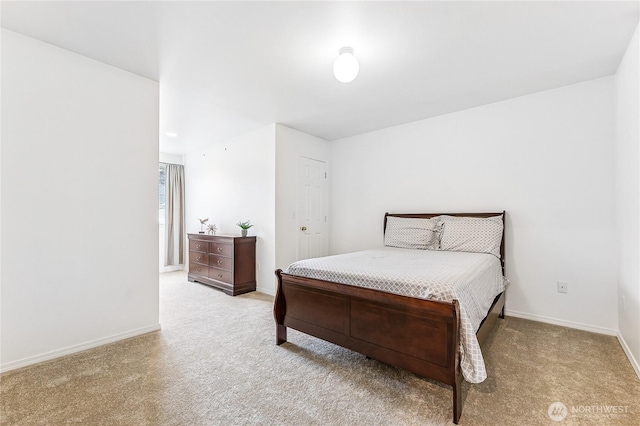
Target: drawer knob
(219,262)
(219,249)
(198,246)
(219,275)
(199,257)
(198,270)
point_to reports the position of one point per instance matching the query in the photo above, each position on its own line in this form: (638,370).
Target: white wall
(290,146)
(165,157)
(546,159)
(0,196)
(79,203)
(253,176)
(235,181)
(627,161)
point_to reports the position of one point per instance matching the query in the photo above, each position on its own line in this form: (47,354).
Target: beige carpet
(215,363)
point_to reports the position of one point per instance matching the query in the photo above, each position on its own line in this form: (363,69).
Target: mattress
(474,279)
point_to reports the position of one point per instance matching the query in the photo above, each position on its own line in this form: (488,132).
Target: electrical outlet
(562,286)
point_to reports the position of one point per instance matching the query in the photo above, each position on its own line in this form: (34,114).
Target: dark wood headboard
(430,215)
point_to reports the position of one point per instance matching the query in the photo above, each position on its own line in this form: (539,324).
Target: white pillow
(473,234)
(414,233)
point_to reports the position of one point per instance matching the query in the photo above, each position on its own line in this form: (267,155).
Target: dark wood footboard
(383,326)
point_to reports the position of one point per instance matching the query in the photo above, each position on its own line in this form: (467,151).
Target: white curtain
(174,215)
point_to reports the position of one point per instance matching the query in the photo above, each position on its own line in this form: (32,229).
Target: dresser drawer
(221,262)
(198,245)
(221,249)
(199,257)
(195,268)
(220,275)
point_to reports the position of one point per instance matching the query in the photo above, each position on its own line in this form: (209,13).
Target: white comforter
(474,279)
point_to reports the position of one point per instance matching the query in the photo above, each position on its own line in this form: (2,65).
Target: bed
(375,302)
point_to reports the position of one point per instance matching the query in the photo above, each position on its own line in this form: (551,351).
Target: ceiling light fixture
(346,66)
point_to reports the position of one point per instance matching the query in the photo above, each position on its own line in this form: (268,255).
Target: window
(162,192)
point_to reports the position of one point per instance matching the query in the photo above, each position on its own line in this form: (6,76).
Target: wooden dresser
(223,261)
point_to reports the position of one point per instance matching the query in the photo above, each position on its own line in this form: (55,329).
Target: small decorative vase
(244,232)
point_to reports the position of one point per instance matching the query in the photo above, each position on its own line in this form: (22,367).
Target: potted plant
(245,226)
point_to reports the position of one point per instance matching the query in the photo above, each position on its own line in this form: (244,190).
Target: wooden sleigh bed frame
(421,336)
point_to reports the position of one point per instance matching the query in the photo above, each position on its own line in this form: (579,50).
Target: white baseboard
(266,290)
(627,351)
(172,268)
(76,348)
(563,323)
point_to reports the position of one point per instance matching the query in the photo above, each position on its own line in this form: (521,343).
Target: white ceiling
(226,68)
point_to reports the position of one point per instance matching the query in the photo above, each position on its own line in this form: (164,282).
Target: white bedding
(474,279)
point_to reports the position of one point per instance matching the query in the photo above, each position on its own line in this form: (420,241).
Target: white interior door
(312,209)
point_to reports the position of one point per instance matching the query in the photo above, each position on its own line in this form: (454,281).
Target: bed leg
(279,309)
(502,313)
(281,334)
(457,398)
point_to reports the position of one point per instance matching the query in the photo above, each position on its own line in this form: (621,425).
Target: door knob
(303,228)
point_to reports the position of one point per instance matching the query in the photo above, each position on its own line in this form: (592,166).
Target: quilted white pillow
(414,233)
(474,234)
